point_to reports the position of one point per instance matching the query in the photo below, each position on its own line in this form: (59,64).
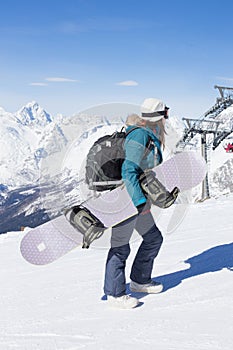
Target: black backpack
(104,161)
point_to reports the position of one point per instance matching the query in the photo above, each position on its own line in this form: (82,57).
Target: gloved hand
(156,192)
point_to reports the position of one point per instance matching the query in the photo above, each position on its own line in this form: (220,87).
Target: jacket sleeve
(134,151)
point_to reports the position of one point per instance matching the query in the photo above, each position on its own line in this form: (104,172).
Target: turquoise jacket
(137,159)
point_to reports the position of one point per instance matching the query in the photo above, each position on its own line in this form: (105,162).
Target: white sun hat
(153,109)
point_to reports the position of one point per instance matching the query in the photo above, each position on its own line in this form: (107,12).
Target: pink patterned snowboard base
(50,241)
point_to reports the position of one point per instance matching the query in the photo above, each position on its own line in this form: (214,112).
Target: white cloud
(128,83)
(60,80)
(38,84)
(103,24)
(225,78)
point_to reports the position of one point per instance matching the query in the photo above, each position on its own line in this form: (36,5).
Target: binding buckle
(88,224)
(156,192)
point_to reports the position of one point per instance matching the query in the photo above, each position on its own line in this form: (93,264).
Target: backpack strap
(152,143)
(129,131)
(149,142)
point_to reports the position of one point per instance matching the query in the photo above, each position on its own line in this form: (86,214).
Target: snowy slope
(59,306)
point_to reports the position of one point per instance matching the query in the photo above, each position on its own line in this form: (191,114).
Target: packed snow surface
(60,306)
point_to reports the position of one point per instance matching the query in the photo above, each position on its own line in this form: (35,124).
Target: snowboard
(50,241)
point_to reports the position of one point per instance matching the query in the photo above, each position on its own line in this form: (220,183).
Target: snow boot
(152,287)
(123,302)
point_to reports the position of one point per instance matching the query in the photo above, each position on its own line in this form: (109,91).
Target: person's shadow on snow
(211,260)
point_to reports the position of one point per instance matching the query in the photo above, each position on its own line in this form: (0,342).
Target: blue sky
(69,55)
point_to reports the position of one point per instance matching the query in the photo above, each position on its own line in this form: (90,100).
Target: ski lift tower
(206,125)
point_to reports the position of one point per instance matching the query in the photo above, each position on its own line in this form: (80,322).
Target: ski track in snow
(59,306)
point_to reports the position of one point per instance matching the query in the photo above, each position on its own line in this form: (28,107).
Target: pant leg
(148,250)
(114,282)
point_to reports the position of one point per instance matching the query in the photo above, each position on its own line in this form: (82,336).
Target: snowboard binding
(85,222)
(156,192)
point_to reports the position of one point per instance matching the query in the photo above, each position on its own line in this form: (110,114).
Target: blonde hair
(157,127)
(134,119)
(159,130)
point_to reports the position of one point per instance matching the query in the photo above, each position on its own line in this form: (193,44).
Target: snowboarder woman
(142,151)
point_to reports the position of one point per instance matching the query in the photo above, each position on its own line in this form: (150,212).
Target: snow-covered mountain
(45,156)
(32,114)
(34,143)
(26,137)
(16,148)
(38,174)
(31,138)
